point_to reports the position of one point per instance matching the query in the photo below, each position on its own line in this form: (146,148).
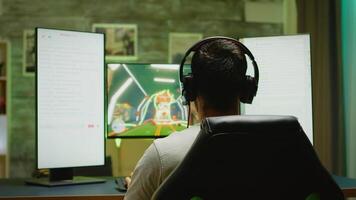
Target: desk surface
(347,185)
(16,188)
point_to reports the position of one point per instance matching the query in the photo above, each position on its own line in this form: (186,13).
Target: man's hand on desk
(128,181)
(123,183)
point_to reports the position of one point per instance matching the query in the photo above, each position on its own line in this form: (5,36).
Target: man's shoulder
(172,149)
(182,138)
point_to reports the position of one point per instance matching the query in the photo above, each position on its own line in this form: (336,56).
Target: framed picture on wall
(4,66)
(179,44)
(120,41)
(3,58)
(29,52)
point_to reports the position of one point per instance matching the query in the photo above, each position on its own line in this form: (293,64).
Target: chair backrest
(250,157)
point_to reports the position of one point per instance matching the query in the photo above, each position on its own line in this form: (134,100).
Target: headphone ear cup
(188,90)
(249,90)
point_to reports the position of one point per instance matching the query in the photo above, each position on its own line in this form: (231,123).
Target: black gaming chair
(250,157)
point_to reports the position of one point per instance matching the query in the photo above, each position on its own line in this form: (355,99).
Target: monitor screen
(144,100)
(285,78)
(70,100)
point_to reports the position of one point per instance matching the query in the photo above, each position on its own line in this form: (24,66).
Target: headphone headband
(252,82)
(200,43)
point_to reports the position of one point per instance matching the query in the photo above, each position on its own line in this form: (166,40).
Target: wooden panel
(2,166)
(349,192)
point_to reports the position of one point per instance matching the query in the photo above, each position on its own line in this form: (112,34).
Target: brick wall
(155,20)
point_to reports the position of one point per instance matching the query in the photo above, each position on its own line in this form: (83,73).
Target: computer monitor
(285,86)
(70,103)
(144,100)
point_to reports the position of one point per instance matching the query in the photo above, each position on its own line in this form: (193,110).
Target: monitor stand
(63,176)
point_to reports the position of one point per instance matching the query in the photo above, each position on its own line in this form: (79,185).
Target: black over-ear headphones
(250,84)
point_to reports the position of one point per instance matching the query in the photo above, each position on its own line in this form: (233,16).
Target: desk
(16,188)
(347,185)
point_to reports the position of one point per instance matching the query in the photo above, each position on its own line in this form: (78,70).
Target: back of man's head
(219,69)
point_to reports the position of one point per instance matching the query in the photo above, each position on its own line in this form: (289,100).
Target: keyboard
(121,184)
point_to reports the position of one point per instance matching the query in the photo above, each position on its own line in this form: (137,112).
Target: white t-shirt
(158,161)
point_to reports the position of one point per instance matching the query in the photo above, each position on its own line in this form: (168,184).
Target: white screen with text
(70,98)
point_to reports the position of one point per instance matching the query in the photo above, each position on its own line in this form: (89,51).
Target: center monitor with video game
(144,100)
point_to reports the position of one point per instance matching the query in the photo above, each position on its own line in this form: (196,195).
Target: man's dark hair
(219,69)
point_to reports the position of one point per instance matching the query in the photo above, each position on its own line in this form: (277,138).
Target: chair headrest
(249,123)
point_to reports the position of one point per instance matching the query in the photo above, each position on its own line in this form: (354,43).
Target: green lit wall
(349,75)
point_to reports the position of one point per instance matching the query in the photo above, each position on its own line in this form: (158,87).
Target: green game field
(148,130)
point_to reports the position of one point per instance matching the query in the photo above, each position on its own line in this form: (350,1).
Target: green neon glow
(118,142)
(348,32)
(8,108)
